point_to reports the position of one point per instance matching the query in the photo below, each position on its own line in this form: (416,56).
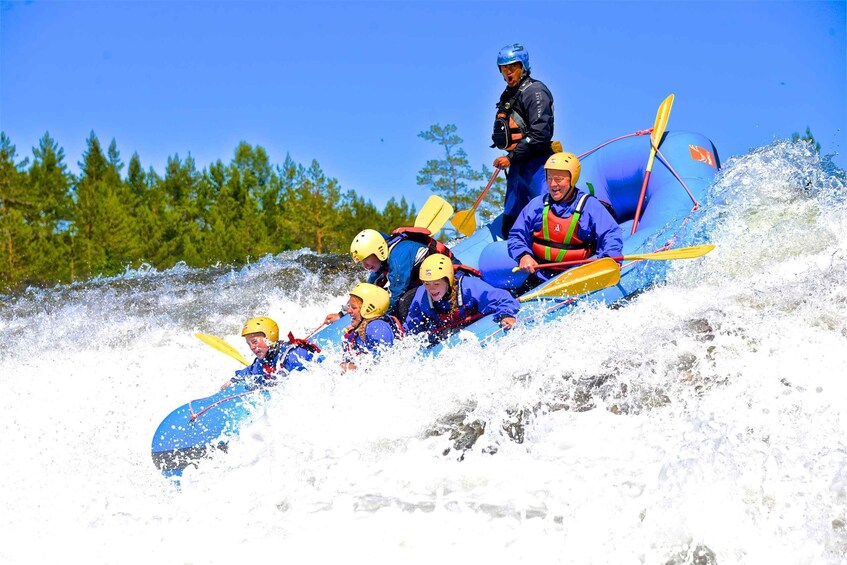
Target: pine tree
(15,232)
(312,205)
(396,214)
(182,231)
(105,232)
(50,184)
(808,138)
(449,176)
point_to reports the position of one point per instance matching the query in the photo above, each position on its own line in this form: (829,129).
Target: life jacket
(307,345)
(509,126)
(557,238)
(461,313)
(271,371)
(418,235)
(349,339)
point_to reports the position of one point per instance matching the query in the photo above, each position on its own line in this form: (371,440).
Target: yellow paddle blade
(580,280)
(662,117)
(221,346)
(434,214)
(680,253)
(465,222)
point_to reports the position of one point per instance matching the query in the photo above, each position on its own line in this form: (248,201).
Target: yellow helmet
(436,267)
(564,162)
(367,243)
(263,325)
(374,299)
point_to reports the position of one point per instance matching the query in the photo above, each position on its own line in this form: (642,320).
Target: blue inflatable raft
(201,427)
(685,168)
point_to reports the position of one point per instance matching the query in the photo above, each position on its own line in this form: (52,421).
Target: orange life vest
(557,238)
(509,126)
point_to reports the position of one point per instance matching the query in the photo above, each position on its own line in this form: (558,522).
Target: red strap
(194,415)
(303,343)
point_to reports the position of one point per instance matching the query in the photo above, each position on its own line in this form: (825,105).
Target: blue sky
(351,84)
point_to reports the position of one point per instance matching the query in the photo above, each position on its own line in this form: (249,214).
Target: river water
(702,422)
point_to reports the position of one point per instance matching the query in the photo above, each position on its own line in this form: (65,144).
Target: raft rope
(196,415)
(673,171)
(658,152)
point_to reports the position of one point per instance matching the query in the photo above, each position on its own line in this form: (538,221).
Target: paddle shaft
(662,117)
(485,190)
(469,214)
(667,255)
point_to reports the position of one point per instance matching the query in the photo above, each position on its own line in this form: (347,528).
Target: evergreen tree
(141,195)
(449,176)
(182,231)
(55,227)
(50,184)
(312,206)
(15,233)
(237,227)
(105,233)
(808,138)
(397,214)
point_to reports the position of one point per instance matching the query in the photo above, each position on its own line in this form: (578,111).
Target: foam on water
(705,417)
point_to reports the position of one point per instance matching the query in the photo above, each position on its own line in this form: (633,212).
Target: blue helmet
(513,53)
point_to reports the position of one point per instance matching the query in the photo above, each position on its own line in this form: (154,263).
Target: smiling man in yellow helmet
(563,225)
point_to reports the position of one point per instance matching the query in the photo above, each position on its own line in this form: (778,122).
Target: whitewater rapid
(704,419)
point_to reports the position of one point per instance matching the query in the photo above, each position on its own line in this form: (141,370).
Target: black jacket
(534,104)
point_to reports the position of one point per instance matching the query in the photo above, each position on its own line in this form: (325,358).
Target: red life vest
(461,313)
(557,238)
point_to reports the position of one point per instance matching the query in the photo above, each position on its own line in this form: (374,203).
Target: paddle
(655,138)
(679,253)
(599,274)
(434,214)
(465,220)
(221,346)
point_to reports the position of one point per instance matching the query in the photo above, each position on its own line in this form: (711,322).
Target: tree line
(58,227)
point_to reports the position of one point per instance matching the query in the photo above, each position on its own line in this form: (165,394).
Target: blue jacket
(596,225)
(378,335)
(534,104)
(478,297)
(282,358)
(400,267)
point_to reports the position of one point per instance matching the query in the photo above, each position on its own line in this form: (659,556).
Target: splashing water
(702,422)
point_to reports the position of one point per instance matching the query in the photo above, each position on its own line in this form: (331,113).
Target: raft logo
(702,155)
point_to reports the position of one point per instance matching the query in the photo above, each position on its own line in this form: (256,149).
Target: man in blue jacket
(274,358)
(566,224)
(524,128)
